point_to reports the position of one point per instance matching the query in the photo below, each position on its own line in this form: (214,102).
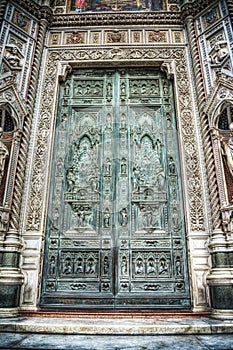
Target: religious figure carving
(139,267)
(91,267)
(123,217)
(228,150)
(3,155)
(106,218)
(163,268)
(68,268)
(151,266)
(227,219)
(12,57)
(52,265)
(106,265)
(219,52)
(124,266)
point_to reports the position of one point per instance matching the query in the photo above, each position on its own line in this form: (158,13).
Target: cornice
(195,8)
(109,18)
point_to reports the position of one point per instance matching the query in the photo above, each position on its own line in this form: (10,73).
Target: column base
(9,312)
(222,314)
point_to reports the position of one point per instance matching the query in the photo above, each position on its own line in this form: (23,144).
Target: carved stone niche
(12,61)
(219,59)
(12,113)
(220,112)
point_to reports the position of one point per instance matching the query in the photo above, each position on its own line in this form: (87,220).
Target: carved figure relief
(228,150)
(114,189)
(3,155)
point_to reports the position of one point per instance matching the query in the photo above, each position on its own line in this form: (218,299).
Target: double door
(115,227)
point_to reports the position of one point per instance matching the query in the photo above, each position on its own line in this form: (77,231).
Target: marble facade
(191,42)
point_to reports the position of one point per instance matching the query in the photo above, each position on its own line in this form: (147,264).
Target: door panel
(115,227)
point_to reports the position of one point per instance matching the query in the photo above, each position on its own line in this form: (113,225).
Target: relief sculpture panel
(115,224)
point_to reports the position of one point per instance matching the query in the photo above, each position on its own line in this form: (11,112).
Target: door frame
(57,64)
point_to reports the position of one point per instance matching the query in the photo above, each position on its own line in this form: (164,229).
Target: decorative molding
(120,56)
(113,19)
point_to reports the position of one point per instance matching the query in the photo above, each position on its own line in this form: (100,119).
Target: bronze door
(115,227)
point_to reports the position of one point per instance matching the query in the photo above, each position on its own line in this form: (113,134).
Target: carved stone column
(220,277)
(201,98)
(11,278)
(220,280)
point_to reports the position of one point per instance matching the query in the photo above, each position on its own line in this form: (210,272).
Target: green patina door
(115,227)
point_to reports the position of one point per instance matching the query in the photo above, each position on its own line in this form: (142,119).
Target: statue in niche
(171,166)
(154,90)
(108,166)
(52,266)
(123,166)
(219,52)
(70,179)
(178,266)
(106,265)
(165,88)
(134,89)
(124,266)
(68,268)
(87,90)
(163,266)
(78,90)
(109,89)
(228,150)
(135,178)
(12,57)
(143,89)
(56,216)
(59,167)
(67,89)
(151,266)
(106,218)
(139,267)
(123,121)
(97,90)
(123,217)
(3,155)
(79,268)
(91,267)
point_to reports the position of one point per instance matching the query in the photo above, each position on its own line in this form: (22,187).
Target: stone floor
(116,334)
(117,342)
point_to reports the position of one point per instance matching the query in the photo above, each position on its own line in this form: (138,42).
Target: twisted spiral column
(230,9)
(23,152)
(3,4)
(206,139)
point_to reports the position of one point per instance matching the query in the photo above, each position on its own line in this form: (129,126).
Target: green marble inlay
(10,259)
(9,296)
(222,297)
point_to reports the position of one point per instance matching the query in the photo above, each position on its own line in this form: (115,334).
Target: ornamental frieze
(116,37)
(122,56)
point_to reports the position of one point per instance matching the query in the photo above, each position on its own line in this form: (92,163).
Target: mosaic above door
(115,5)
(115,232)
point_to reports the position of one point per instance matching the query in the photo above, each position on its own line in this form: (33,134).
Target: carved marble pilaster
(201,98)
(120,56)
(23,152)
